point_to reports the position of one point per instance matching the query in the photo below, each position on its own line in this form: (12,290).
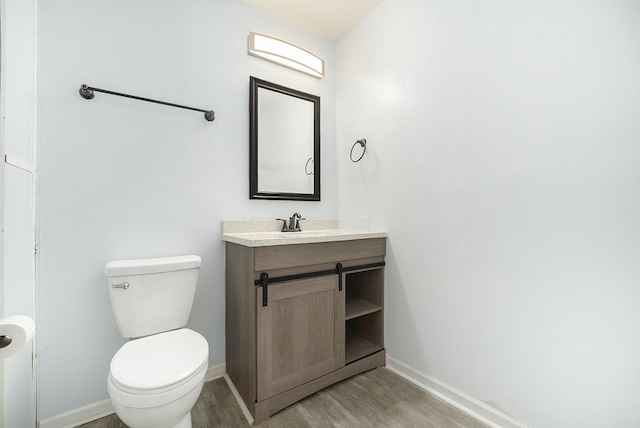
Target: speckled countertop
(264,233)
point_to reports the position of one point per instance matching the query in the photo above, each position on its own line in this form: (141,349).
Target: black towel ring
(306,171)
(363,144)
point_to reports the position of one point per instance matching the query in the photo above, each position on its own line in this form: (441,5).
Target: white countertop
(261,233)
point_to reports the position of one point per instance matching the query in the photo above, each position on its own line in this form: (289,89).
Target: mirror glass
(284,143)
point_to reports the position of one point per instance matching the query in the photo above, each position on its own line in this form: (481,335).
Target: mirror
(284,157)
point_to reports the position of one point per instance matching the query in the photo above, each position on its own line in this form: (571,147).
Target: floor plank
(378,398)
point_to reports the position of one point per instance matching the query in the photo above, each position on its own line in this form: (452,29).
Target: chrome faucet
(294,223)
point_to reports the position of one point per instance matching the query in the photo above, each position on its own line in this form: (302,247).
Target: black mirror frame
(254,193)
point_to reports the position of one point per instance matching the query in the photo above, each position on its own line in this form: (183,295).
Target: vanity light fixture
(285,54)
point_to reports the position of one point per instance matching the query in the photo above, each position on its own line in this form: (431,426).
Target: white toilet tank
(151,296)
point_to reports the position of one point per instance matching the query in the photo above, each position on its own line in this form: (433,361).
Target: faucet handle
(284,224)
(298,223)
(294,223)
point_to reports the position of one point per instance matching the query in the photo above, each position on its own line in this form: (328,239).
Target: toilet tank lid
(146,266)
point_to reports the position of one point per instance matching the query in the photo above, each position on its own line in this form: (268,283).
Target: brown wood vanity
(300,317)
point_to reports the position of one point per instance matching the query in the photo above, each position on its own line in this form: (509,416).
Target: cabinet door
(300,333)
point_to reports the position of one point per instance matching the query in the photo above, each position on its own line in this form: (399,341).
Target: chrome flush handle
(123,285)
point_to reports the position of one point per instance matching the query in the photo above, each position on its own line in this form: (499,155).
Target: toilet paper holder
(5,341)
(15,332)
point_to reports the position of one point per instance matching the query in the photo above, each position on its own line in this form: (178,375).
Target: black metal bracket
(264,281)
(86,92)
(339,270)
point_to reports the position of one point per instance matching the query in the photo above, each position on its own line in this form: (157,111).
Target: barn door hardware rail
(264,280)
(87,92)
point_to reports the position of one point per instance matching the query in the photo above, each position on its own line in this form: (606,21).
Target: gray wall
(504,161)
(124,179)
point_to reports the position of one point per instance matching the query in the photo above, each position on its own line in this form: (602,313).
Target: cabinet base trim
(264,409)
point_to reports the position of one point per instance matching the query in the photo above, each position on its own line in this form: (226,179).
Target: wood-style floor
(378,398)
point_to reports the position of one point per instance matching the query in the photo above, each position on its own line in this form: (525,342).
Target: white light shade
(286,54)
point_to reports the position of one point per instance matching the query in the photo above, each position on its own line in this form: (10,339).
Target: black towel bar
(86,92)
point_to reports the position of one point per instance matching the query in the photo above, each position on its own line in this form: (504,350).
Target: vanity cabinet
(301,317)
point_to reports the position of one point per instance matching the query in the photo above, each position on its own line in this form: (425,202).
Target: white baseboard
(80,416)
(468,404)
(215,372)
(236,395)
(94,411)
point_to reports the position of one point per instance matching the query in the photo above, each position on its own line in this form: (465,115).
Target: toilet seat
(155,370)
(154,398)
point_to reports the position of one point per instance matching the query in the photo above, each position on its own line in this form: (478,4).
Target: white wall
(19,59)
(503,159)
(125,179)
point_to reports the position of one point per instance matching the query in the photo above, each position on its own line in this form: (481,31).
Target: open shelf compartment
(364,331)
(363,336)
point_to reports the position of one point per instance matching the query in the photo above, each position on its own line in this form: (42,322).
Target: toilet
(156,378)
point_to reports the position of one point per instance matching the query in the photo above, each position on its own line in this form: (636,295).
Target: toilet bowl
(155,379)
(154,382)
